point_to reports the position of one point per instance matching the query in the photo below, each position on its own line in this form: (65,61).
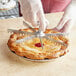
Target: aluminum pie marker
(38,34)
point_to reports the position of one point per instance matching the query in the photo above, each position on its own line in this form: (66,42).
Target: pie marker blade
(24,39)
(41,41)
(20,32)
(28,25)
(62,43)
(57,34)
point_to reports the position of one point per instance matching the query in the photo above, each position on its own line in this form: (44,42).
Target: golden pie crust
(28,49)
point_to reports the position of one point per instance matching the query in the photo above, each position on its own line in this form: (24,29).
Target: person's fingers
(67,26)
(31,18)
(62,22)
(28,13)
(47,23)
(42,20)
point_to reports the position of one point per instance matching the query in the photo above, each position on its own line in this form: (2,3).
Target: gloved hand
(67,20)
(33,12)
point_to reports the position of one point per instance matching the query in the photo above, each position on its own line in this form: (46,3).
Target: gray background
(10,13)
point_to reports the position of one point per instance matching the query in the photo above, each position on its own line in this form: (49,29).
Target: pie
(32,49)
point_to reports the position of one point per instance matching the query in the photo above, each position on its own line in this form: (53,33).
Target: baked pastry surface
(32,48)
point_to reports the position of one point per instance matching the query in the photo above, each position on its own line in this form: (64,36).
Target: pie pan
(29,51)
(36,60)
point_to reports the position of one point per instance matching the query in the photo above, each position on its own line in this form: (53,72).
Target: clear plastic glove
(67,20)
(33,12)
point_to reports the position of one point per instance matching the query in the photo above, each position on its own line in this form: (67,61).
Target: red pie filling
(38,44)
